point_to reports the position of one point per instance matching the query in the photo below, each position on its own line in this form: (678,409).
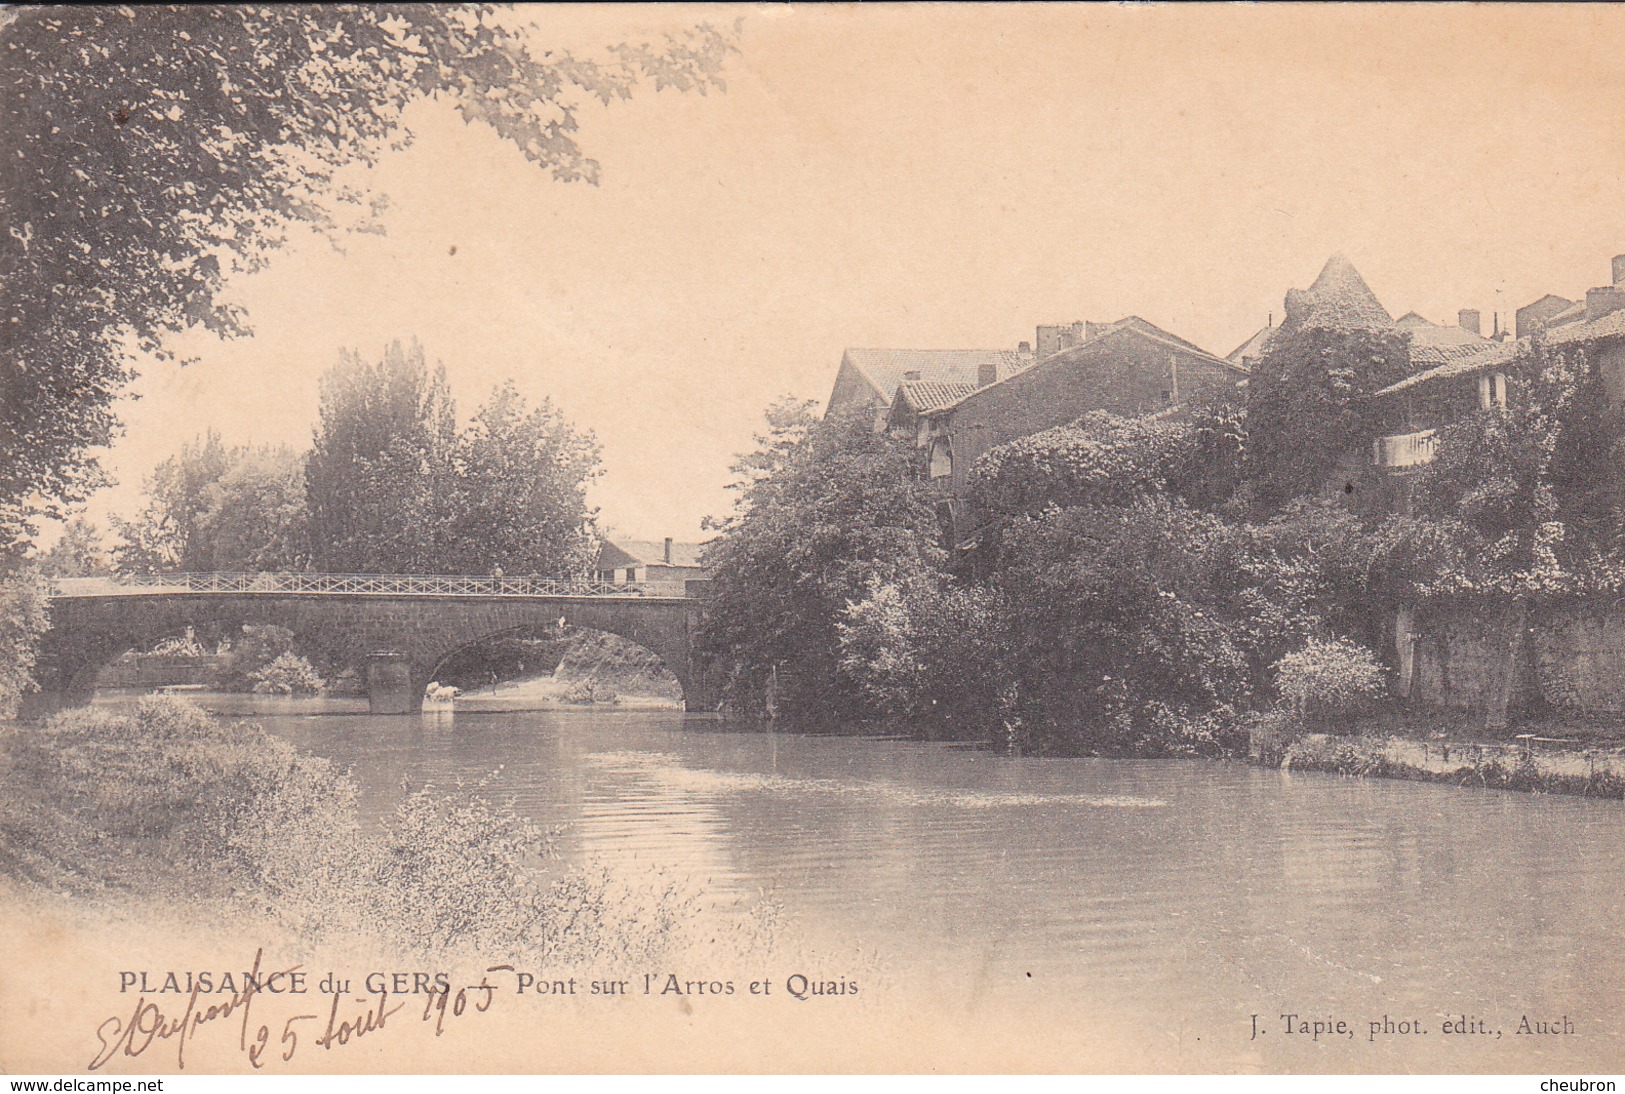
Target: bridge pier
(390,689)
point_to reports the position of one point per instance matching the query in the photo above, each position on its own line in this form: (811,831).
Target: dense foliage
(1308,405)
(210,507)
(826,510)
(518,501)
(79,552)
(928,649)
(23,618)
(288,674)
(1100,459)
(156,150)
(1528,500)
(382,464)
(166,801)
(1329,679)
(1128,610)
(392,486)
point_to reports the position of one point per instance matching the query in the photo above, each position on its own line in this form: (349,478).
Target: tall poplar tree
(382,465)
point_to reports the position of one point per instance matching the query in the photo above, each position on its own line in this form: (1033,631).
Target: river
(1177,898)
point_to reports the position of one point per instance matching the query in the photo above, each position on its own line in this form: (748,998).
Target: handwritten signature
(148,1026)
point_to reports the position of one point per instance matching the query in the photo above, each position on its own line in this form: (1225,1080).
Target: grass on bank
(169,801)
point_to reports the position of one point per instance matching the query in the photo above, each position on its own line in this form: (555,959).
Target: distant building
(1129,368)
(1539,315)
(1249,352)
(1479,378)
(663,567)
(868,378)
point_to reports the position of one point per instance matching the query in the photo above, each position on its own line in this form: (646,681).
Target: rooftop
(1123,328)
(1253,348)
(923,395)
(1433,344)
(1490,355)
(1611,325)
(622,552)
(885,369)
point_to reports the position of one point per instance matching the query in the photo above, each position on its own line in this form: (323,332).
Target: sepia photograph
(733,539)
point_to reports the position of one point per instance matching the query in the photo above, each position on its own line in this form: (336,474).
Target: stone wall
(1570,657)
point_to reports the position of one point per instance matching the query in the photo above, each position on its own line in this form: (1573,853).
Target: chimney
(1619,270)
(668,550)
(1604,301)
(1024,347)
(912,374)
(1469,319)
(986,373)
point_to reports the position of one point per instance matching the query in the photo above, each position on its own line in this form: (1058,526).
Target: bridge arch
(647,659)
(401,637)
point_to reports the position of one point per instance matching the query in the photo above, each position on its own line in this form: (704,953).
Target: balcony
(1404,450)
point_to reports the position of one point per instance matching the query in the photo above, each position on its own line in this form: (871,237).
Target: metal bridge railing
(383,584)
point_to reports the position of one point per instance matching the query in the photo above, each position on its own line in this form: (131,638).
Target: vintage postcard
(812,538)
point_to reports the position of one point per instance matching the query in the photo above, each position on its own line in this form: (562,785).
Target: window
(1492,391)
(942,460)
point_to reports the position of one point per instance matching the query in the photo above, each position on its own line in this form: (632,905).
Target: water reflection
(1190,895)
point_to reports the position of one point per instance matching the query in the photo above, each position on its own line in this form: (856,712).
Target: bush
(289,674)
(1330,679)
(167,774)
(260,646)
(168,800)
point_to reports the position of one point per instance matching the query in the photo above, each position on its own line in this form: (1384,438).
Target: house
(1129,368)
(662,568)
(868,378)
(1248,353)
(1599,332)
(1339,299)
(1477,375)
(1539,315)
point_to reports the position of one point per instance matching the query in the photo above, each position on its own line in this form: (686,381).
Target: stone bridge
(401,628)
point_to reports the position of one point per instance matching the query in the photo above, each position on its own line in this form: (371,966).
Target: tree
(165,535)
(23,618)
(1120,606)
(382,466)
(929,649)
(79,553)
(826,510)
(154,151)
(254,516)
(212,508)
(519,500)
(393,486)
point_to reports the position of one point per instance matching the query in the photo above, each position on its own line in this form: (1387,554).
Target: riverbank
(549,693)
(1529,762)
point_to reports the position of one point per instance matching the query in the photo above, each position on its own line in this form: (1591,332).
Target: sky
(932,176)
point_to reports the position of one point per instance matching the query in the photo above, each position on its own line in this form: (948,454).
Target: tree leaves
(153,152)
